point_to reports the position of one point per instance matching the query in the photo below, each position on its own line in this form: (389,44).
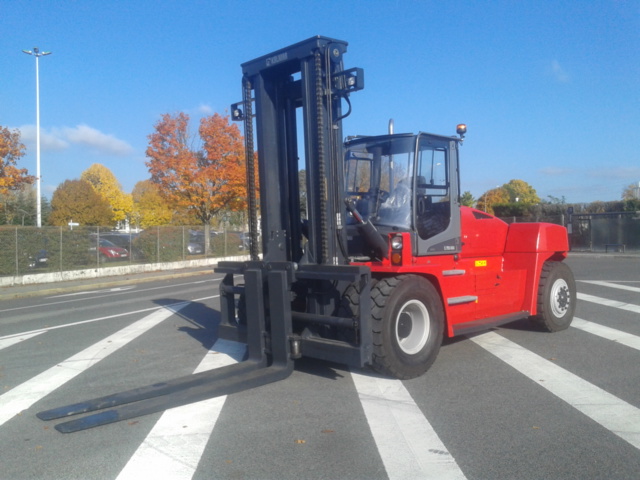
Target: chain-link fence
(27,250)
(596,232)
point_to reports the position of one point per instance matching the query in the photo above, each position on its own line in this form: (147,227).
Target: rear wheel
(408,321)
(556,297)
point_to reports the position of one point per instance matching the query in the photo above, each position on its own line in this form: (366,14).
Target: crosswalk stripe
(609,303)
(406,441)
(609,333)
(91,320)
(29,392)
(175,444)
(7,342)
(612,285)
(616,415)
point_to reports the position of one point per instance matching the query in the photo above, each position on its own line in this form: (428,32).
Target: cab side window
(433,208)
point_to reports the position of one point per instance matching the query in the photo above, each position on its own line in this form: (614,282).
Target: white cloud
(95,139)
(49,141)
(559,73)
(205,109)
(62,138)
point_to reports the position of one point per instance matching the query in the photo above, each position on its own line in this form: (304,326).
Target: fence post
(17,256)
(60,249)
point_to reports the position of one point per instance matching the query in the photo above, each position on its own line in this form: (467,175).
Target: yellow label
(481,263)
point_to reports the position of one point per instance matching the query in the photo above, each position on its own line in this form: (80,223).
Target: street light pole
(37,53)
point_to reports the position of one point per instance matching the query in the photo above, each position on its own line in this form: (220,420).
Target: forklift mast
(304,239)
(303,84)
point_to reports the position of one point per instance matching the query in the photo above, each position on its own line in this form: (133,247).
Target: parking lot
(512,403)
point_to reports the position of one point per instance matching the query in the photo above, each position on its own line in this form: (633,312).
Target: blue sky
(550,90)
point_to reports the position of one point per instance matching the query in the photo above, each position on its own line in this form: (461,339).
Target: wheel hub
(412,327)
(405,324)
(560,298)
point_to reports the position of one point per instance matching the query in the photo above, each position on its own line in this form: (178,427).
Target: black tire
(103,258)
(349,308)
(408,323)
(556,297)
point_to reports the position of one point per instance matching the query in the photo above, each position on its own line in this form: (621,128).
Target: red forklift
(371,263)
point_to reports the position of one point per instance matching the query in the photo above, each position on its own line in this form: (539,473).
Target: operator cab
(404,183)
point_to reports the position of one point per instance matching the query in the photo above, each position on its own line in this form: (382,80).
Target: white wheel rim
(560,298)
(412,327)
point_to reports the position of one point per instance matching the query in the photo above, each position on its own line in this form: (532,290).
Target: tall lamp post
(37,53)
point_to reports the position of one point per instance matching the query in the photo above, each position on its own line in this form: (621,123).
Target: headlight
(396,242)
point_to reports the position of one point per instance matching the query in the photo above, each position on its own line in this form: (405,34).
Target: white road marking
(86,292)
(612,334)
(609,303)
(31,391)
(13,339)
(175,445)
(612,285)
(99,319)
(70,300)
(408,445)
(614,414)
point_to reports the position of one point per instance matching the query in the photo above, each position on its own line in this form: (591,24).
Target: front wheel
(408,321)
(556,297)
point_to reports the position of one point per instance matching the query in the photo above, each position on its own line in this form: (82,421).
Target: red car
(110,251)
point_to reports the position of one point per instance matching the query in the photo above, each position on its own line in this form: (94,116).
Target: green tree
(631,192)
(78,201)
(632,205)
(467,199)
(521,192)
(18,206)
(107,186)
(555,200)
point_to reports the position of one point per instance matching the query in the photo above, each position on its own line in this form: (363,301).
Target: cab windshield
(386,182)
(379,179)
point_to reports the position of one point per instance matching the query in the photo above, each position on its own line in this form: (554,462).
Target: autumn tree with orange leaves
(11,150)
(205,176)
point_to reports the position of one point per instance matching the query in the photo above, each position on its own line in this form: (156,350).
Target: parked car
(39,260)
(195,248)
(109,251)
(196,242)
(126,241)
